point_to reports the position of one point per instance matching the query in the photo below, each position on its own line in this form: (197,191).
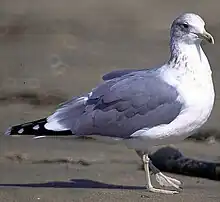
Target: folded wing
(121,106)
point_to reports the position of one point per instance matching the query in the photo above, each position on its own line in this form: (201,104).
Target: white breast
(194,85)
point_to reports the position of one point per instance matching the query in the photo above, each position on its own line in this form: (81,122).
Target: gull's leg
(162,179)
(149,186)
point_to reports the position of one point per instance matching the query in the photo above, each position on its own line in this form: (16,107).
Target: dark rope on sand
(171,160)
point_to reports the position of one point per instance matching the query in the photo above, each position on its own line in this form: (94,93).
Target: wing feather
(120,106)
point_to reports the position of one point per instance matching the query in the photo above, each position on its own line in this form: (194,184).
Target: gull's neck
(190,56)
(189,71)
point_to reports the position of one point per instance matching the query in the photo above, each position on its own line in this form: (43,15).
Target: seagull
(144,107)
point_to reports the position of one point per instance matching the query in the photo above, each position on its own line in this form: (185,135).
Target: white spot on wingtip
(8,131)
(36,127)
(54,125)
(39,137)
(21,131)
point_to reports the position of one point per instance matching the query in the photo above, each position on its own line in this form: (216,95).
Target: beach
(53,50)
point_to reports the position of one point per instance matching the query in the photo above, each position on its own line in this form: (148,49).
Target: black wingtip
(35,128)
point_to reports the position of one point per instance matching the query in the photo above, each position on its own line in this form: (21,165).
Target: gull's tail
(36,128)
(60,123)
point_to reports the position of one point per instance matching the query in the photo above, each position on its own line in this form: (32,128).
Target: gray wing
(121,106)
(118,73)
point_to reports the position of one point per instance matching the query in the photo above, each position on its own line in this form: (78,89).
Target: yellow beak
(208,37)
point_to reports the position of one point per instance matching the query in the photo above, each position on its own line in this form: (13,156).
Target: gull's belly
(189,121)
(198,95)
(196,92)
(198,99)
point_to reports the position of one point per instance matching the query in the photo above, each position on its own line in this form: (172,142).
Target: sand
(52,50)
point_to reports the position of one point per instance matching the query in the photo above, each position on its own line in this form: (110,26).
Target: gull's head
(189,28)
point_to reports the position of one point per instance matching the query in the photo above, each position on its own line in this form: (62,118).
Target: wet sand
(65,170)
(52,50)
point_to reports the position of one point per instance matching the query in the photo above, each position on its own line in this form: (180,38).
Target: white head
(190,28)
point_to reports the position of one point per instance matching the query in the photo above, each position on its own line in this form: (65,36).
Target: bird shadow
(75,184)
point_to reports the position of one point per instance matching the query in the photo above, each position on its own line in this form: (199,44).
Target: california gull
(143,108)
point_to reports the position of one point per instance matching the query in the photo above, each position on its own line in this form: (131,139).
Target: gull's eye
(185,25)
